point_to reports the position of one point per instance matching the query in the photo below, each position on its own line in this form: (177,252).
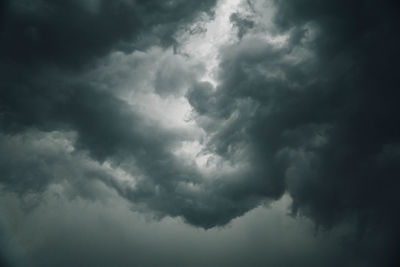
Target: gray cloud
(264,236)
(70,33)
(307,108)
(322,114)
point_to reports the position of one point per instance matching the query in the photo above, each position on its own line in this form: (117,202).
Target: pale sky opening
(210,34)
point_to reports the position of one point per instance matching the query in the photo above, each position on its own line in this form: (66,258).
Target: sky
(222,133)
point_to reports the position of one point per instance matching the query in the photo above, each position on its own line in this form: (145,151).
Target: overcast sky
(222,133)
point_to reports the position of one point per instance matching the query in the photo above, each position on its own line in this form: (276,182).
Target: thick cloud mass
(324,125)
(98,102)
(72,32)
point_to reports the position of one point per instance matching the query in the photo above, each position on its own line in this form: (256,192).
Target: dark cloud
(70,33)
(41,39)
(322,117)
(109,130)
(356,49)
(308,109)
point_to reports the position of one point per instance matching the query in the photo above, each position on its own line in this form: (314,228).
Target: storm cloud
(207,118)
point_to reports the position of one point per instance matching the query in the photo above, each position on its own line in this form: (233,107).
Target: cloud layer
(146,103)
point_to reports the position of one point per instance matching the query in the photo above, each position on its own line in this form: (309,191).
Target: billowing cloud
(315,114)
(70,33)
(202,111)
